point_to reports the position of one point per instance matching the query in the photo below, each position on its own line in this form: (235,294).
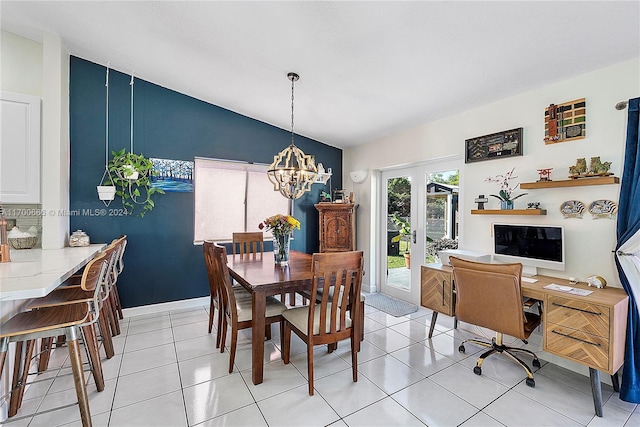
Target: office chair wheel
(461,348)
(531,382)
(477,370)
(536,363)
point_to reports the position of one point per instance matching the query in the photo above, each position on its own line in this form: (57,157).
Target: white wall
(589,242)
(41,70)
(20,65)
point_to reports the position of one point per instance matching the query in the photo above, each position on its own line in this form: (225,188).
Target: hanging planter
(106,192)
(132,178)
(130,173)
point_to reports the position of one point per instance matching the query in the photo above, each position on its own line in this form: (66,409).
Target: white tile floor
(167,372)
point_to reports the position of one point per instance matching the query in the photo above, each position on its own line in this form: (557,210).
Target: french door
(419,208)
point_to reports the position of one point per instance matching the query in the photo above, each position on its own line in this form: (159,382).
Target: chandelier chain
(292,83)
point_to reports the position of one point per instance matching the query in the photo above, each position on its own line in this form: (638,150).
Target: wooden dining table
(260,276)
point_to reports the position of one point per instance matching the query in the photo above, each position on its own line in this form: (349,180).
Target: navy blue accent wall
(161,262)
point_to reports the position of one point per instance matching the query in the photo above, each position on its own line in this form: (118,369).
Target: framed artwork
(173,175)
(507,143)
(565,122)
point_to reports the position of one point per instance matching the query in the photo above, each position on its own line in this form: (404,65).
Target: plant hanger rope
(106,173)
(131,119)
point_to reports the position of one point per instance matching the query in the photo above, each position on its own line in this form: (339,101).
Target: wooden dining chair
(249,243)
(238,313)
(72,320)
(252,243)
(215,297)
(333,317)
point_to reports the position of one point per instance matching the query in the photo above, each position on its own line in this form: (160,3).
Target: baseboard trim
(164,306)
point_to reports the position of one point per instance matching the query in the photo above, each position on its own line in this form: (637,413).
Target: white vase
(106,192)
(129,172)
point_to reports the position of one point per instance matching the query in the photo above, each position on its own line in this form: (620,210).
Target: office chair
(489,295)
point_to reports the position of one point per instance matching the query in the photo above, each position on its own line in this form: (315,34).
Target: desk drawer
(575,314)
(588,349)
(436,290)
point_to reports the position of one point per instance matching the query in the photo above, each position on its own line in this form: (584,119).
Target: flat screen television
(532,245)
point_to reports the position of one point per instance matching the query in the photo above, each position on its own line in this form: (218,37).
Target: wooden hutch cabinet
(337,227)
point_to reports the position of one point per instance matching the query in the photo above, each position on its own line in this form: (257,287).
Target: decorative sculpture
(596,167)
(580,168)
(544,174)
(481,200)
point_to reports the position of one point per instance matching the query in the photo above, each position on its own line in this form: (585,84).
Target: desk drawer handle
(577,339)
(577,309)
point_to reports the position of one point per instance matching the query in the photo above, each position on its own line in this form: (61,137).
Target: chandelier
(292,172)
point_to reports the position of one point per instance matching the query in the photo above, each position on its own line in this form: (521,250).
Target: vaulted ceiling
(368,69)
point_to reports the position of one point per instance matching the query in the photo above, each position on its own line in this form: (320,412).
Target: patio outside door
(419,216)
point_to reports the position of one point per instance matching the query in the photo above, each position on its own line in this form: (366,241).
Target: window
(231,197)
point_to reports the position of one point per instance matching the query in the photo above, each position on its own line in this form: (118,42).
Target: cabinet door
(20,148)
(336,232)
(436,290)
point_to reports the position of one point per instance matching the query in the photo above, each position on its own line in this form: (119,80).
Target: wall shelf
(579,182)
(508,212)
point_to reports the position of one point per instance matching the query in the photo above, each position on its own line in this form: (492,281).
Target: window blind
(232,197)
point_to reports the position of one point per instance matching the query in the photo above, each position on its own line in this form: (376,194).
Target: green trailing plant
(132,177)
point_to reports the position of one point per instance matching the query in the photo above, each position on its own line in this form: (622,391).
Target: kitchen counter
(33,273)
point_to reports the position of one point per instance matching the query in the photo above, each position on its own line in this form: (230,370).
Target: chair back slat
(339,277)
(209,260)
(223,281)
(247,243)
(94,277)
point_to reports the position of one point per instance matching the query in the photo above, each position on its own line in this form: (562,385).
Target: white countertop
(33,273)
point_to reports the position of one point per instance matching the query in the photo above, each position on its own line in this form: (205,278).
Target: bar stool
(119,266)
(72,320)
(113,302)
(78,294)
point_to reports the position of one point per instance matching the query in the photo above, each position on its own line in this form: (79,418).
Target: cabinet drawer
(436,291)
(588,349)
(574,314)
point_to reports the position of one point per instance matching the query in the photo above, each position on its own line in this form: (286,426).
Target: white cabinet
(19,148)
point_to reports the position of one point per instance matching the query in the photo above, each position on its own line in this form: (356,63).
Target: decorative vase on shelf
(281,248)
(506,204)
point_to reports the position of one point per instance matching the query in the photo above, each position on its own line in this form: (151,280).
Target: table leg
(257,336)
(596,390)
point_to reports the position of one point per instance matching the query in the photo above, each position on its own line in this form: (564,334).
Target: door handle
(413,234)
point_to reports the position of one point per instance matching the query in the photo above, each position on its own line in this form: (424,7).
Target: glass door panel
(442,213)
(398,233)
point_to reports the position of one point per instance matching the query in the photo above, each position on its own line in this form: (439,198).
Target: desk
(34,273)
(589,330)
(260,276)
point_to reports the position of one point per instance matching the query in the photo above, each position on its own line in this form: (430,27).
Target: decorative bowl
(23,242)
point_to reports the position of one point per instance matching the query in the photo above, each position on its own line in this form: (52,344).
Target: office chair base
(498,347)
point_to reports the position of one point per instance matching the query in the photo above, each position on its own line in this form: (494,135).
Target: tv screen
(535,242)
